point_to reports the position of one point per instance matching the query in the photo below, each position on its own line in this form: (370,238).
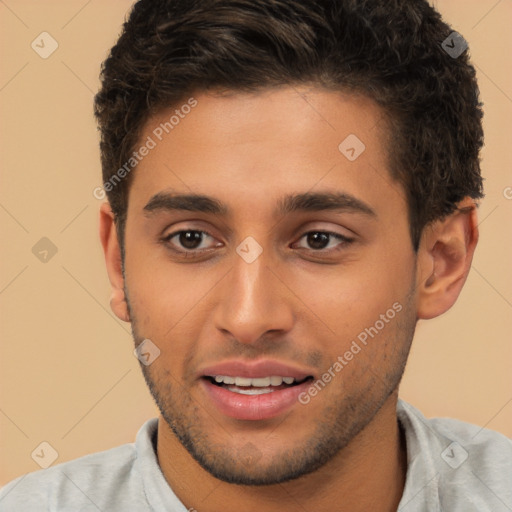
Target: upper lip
(255,369)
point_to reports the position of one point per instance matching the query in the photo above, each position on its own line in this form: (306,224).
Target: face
(282,299)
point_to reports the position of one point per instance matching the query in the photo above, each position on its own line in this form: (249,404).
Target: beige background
(68,375)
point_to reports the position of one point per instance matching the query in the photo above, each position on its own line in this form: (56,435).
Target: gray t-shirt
(452,467)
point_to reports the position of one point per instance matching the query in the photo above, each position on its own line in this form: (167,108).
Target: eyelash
(345,241)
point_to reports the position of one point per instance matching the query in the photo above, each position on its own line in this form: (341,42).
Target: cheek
(166,298)
(347,299)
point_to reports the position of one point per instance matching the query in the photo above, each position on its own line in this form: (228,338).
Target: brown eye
(320,240)
(317,240)
(188,240)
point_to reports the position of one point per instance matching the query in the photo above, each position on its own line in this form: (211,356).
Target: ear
(444,259)
(112,251)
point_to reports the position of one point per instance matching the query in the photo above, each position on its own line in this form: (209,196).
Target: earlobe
(444,260)
(118,305)
(112,252)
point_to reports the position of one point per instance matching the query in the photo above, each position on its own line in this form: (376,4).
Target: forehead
(260,146)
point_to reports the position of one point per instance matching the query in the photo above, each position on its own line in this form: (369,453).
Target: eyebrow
(305,202)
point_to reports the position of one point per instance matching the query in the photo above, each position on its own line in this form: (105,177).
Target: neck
(369,474)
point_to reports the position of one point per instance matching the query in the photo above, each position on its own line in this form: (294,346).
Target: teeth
(250,391)
(264,382)
(241,381)
(261,382)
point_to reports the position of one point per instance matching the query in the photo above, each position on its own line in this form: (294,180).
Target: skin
(296,303)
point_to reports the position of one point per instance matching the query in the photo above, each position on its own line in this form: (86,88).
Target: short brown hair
(388,50)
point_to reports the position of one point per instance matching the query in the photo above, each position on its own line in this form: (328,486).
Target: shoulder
(464,466)
(480,443)
(90,482)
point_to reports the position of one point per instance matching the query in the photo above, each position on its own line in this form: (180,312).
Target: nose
(253,301)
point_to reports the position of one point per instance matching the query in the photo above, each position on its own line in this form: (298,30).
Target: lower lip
(253,407)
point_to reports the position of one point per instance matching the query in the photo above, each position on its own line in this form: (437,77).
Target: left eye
(319,240)
(189,239)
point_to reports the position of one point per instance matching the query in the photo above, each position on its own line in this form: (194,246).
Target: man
(291,186)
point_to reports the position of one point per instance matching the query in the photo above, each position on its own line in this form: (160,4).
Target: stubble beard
(340,422)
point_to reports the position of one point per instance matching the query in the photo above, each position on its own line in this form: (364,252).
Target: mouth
(253,390)
(255,386)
